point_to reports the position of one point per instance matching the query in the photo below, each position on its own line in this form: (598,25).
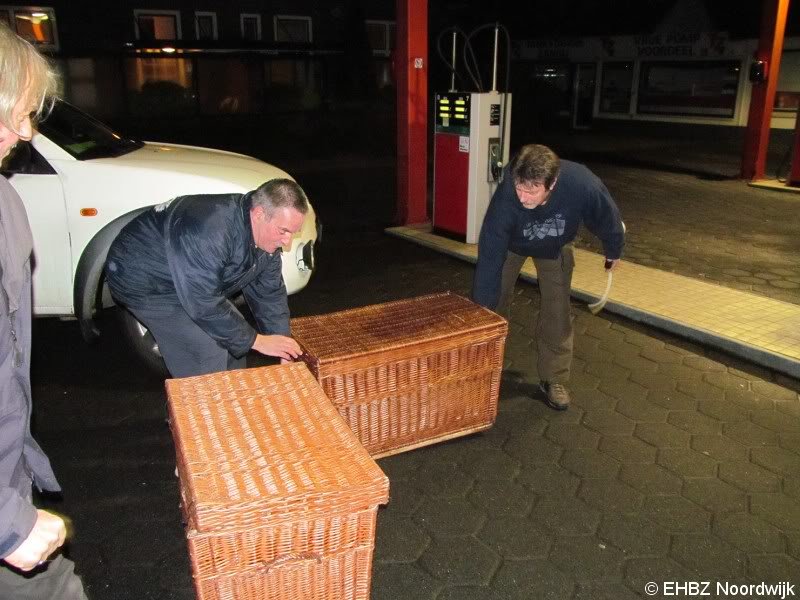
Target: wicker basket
(409,373)
(279,497)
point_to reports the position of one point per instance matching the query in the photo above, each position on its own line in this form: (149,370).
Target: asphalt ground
(675,463)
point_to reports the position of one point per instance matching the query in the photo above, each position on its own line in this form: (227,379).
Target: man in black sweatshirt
(536,211)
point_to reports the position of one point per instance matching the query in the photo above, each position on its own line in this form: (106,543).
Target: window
(615,89)
(205,25)
(286,72)
(551,89)
(787,101)
(700,88)
(160,86)
(787,96)
(251,27)
(93,84)
(381,36)
(153,25)
(80,76)
(227,85)
(293,29)
(291,83)
(34,23)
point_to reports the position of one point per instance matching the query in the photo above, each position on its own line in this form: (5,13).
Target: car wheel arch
(89,275)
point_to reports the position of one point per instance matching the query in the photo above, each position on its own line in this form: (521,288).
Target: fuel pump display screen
(452,112)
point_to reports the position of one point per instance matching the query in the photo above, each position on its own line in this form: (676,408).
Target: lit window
(36,24)
(205,25)
(153,25)
(251,27)
(293,29)
(697,88)
(787,101)
(381,36)
(787,96)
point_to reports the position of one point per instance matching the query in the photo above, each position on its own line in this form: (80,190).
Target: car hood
(193,160)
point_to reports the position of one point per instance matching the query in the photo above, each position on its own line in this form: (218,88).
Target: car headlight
(305,256)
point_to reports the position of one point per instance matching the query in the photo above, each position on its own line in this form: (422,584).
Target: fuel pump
(471,141)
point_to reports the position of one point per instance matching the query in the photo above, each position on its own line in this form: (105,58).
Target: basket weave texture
(408,373)
(279,497)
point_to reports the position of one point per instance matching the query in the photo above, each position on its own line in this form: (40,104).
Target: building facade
(141,58)
(699,78)
(145,58)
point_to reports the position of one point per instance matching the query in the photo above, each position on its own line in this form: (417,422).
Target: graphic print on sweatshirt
(550,227)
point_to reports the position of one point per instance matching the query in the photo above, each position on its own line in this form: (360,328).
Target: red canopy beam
(762,99)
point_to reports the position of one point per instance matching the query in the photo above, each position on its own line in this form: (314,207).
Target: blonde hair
(23,71)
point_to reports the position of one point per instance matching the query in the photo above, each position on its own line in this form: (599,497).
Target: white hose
(596,307)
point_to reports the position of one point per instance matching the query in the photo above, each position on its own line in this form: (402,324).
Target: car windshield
(82,136)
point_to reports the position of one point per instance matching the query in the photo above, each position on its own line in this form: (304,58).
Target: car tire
(142,342)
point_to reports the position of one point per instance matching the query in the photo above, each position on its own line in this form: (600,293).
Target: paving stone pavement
(724,232)
(674,463)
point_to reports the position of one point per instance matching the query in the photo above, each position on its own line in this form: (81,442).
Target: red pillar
(762,99)
(411,68)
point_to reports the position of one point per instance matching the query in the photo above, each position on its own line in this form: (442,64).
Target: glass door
(583,97)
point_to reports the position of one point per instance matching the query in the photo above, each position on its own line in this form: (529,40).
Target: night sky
(537,18)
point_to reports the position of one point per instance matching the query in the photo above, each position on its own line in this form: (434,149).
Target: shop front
(699,78)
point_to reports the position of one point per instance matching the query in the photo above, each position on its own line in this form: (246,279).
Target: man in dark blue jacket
(176,266)
(536,211)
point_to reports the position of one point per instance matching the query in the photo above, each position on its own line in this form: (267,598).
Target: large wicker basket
(279,497)
(409,373)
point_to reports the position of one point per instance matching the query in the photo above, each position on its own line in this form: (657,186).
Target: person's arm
(45,537)
(601,217)
(266,296)
(26,537)
(17,518)
(197,253)
(279,346)
(492,249)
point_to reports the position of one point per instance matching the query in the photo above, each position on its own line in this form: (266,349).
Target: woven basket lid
(258,444)
(393,326)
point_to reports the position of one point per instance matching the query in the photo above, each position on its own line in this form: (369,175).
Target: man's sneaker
(556,395)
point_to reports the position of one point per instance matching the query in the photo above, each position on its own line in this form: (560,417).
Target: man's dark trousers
(554,332)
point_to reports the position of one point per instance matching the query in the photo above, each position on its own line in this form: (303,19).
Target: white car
(81,183)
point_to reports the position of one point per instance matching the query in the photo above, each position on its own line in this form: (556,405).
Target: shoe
(556,395)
